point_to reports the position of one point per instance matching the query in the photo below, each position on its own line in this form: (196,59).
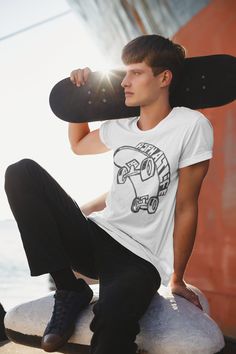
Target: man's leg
(54,231)
(127,286)
(56,236)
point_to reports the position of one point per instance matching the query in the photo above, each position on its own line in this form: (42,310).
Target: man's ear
(166,77)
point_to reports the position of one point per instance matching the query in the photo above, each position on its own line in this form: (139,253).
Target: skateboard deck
(206,81)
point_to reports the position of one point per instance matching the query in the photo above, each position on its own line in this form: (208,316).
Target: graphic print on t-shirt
(148,164)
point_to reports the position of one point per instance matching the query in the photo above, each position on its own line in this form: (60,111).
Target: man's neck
(151,115)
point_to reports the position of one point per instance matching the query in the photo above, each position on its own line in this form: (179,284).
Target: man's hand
(181,288)
(80,76)
(96,204)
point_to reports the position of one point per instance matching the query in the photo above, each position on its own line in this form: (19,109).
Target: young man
(142,231)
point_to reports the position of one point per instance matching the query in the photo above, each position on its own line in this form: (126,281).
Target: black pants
(57,235)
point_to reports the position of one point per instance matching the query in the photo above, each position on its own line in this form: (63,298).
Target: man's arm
(94,205)
(82,140)
(186,215)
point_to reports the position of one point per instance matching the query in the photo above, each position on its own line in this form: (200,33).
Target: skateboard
(205,81)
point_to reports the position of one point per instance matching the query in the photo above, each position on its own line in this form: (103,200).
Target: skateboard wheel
(152,205)
(121,175)
(135,205)
(147,168)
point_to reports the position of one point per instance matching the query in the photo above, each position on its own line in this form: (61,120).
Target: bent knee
(16,171)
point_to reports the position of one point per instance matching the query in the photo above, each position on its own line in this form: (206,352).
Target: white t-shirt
(140,206)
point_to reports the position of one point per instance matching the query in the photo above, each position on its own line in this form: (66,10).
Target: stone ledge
(171,325)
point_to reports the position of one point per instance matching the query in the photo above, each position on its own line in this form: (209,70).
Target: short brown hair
(156,51)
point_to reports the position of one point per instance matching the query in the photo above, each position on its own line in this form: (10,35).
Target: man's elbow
(75,149)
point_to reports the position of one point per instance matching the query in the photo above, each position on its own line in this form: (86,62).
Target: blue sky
(31,63)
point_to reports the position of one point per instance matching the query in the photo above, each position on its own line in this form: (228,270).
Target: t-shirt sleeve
(104,129)
(198,143)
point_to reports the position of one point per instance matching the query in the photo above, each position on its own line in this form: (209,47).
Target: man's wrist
(177,278)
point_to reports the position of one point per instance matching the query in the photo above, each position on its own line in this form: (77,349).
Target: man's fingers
(76,77)
(86,73)
(80,76)
(187,293)
(192,297)
(72,78)
(197,303)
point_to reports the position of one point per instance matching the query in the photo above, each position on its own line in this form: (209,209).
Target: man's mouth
(128,93)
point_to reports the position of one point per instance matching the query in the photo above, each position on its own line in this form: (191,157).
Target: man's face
(141,87)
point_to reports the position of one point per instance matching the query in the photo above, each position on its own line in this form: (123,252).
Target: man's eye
(136,73)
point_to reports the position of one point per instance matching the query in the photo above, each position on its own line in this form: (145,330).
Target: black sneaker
(67,307)
(3,336)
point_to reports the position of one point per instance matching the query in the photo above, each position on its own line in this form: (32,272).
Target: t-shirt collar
(163,121)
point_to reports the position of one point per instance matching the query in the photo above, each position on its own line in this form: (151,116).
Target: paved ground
(12,348)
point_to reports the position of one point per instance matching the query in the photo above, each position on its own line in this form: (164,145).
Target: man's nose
(125,82)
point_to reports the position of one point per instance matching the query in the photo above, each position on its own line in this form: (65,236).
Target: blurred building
(113,23)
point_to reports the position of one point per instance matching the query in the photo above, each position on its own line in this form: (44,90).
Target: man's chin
(131,104)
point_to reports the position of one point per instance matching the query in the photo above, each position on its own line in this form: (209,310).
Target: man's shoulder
(188,116)
(194,124)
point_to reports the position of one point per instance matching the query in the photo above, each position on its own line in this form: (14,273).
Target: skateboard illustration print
(146,167)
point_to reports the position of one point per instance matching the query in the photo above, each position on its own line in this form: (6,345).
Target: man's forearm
(94,205)
(184,237)
(76,132)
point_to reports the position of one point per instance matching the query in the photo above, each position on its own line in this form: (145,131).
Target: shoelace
(60,310)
